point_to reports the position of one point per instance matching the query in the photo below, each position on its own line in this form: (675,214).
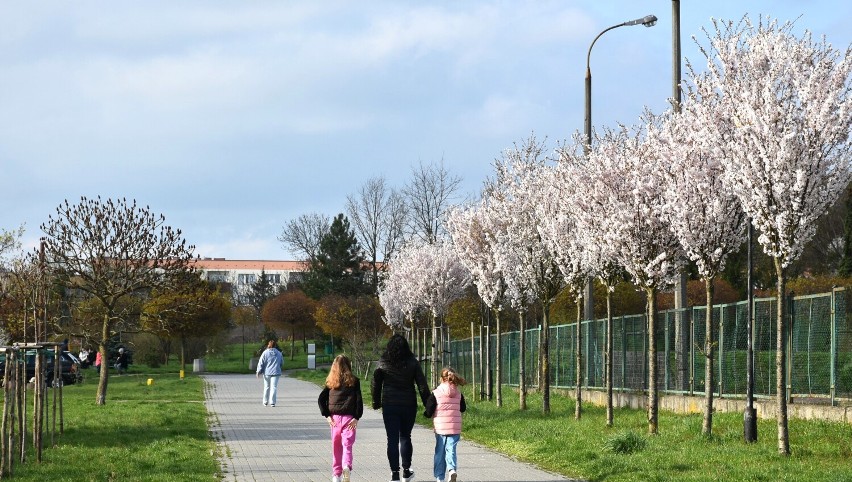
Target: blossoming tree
(702,211)
(557,225)
(471,229)
(623,177)
(528,267)
(790,152)
(590,232)
(427,276)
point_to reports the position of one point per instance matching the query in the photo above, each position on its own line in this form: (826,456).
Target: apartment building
(242,274)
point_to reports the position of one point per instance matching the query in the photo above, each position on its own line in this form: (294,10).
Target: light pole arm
(648,21)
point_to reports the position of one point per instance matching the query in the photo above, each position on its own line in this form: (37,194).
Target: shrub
(148,350)
(625,443)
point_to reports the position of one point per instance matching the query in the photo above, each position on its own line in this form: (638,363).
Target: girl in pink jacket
(445,406)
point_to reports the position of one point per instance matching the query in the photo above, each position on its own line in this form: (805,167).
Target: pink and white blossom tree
(471,229)
(701,209)
(590,231)
(528,267)
(425,276)
(623,174)
(790,152)
(557,225)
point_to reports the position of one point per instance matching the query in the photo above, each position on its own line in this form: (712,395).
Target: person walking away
(121,362)
(393,390)
(269,365)
(445,406)
(98,360)
(341,404)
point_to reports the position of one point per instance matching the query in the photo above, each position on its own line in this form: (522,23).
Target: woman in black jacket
(393,390)
(341,404)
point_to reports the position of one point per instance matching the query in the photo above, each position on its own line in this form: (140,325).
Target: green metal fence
(819,364)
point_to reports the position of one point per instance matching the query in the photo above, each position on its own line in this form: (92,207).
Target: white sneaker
(346,471)
(452,475)
(410,476)
(335,478)
(439,480)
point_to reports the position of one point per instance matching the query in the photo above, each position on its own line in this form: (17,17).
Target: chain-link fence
(819,348)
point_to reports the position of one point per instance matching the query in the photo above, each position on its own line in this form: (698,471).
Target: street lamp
(750,414)
(648,21)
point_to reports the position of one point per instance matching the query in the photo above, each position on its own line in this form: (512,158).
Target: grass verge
(146,432)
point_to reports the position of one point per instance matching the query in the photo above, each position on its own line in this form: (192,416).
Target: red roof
(236,264)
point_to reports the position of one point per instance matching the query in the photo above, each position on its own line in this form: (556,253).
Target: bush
(148,350)
(625,443)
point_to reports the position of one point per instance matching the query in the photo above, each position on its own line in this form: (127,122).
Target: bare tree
(428,195)
(377,214)
(302,235)
(113,251)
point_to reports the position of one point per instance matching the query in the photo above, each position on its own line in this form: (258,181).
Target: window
(246,279)
(217,276)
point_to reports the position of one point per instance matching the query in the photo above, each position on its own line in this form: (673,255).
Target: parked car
(70,369)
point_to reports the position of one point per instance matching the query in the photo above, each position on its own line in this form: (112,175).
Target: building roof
(253,264)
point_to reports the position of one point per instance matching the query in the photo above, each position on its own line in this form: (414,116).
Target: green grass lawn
(587,449)
(152,432)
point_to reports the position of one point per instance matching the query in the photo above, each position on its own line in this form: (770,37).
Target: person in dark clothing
(121,362)
(341,404)
(393,390)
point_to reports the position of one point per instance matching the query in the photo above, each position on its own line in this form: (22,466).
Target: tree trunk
(707,425)
(433,365)
(103,376)
(544,357)
(499,362)
(608,358)
(182,353)
(652,360)
(473,360)
(522,362)
(578,391)
(781,361)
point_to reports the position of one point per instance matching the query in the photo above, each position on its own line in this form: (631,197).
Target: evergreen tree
(261,291)
(338,266)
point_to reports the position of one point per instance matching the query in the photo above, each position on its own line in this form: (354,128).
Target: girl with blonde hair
(341,404)
(445,406)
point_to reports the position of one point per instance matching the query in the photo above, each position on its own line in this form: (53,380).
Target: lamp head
(647,20)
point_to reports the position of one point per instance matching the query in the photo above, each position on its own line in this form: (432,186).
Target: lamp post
(648,21)
(750,414)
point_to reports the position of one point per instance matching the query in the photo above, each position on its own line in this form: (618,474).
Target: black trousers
(399,421)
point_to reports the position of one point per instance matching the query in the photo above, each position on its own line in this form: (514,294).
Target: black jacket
(394,385)
(342,401)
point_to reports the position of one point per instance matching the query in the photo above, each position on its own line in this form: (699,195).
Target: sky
(231,118)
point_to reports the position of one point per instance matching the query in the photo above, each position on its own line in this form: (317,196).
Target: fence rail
(819,362)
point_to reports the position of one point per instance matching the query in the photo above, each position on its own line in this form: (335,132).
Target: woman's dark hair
(397,350)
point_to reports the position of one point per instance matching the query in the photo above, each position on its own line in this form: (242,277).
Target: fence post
(720,352)
(666,352)
(789,337)
(623,355)
(692,352)
(833,362)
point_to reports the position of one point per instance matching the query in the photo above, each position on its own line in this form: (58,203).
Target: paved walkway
(290,442)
